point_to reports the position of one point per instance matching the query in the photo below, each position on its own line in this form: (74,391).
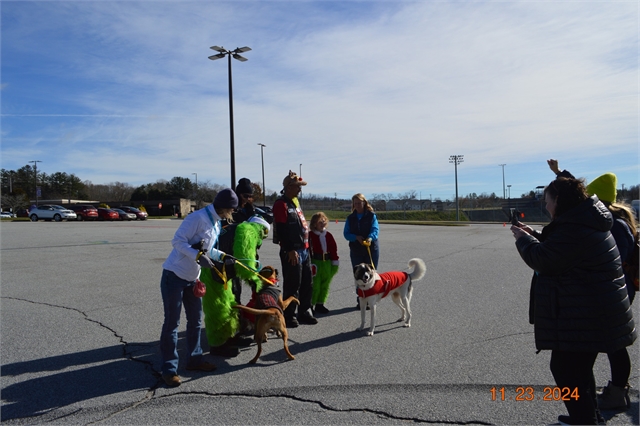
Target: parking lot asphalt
(81,314)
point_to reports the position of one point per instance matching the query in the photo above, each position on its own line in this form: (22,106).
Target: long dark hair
(568,193)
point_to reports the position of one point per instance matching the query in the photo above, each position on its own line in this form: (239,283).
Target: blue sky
(369,96)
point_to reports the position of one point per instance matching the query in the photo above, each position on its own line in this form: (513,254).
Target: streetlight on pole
(35,172)
(229,53)
(196,191)
(504,194)
(264,188)
(300,175)
(456,159)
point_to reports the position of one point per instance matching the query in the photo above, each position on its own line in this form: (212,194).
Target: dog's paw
(407,325)
(359,328)
(369,333)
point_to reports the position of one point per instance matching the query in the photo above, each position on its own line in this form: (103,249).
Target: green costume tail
(220,319)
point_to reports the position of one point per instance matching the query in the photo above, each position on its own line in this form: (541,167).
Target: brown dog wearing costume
(269,311)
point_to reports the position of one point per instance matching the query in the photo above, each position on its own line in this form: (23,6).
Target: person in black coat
(579,305)
(616,394)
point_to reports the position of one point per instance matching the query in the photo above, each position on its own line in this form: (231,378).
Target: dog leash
(367,244)
(255,272)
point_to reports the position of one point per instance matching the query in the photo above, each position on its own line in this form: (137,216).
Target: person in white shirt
(179,275)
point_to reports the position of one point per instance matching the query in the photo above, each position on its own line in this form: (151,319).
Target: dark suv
(85,212)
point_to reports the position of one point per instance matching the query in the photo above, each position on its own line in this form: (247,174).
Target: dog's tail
(253,310)
(419,269)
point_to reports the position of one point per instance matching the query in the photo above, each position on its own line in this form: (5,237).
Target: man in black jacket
(292,231)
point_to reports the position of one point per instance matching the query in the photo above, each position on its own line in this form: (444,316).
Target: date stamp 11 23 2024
(528,393)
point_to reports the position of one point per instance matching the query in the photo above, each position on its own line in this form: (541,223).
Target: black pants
(296,282)
(575,370)
(620,367)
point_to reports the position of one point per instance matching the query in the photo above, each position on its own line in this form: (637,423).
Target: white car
(6,215)
(51,212)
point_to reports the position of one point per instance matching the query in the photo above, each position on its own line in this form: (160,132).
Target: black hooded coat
(579,299)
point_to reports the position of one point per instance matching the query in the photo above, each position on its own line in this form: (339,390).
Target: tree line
(19,187)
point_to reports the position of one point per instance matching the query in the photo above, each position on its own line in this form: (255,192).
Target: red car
(140,215)
(107,214)
(85,212)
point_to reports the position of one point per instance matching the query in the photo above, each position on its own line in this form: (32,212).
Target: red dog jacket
(388,282)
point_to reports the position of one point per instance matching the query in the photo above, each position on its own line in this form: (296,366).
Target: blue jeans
(175,293)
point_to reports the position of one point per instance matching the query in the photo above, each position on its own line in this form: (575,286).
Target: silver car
(51,212)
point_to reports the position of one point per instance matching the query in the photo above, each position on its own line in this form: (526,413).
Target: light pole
(195,193)
(504,194)
(264,188)
(456,159)
(35,172)
(509,186)
(235,53)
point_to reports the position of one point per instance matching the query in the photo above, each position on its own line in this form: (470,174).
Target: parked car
(139,213)
(124,215)
(6,215)
(107,214)
(85,212)
(51,212)
(22,213)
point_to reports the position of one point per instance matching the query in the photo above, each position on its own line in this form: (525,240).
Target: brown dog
(269,314)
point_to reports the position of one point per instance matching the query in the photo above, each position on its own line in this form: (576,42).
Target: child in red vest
(324,259)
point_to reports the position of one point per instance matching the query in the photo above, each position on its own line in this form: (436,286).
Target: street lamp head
(218,56)
(240,58)
(242,49)
(218,49)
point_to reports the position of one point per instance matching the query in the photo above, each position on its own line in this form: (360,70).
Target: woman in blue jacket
(361,230)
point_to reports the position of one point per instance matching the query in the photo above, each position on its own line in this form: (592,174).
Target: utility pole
(35,172)
(504,193)
(456,159)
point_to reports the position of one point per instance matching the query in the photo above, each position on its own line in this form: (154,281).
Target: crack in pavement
(324,406)
(125,353)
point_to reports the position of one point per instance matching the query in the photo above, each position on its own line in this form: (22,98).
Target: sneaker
(614,397)
(239,341)
(291,322)
(307,318)
(201,366)
(172,380)
(321,309)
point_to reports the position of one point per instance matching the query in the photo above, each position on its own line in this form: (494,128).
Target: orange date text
(528,393)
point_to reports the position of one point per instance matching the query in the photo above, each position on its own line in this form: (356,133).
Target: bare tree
(15,202)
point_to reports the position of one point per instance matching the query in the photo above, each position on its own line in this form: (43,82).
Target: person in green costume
(220,319)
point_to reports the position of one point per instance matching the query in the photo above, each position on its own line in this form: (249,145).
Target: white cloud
(370,97)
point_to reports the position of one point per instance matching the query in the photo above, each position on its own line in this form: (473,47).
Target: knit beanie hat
(604,186)
(244,187)
(226,199)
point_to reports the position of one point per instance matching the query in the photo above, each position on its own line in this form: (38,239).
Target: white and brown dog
(372,287)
